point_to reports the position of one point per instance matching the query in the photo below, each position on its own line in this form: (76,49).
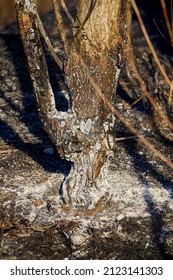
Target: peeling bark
(57,124)
(101,41)
(84,134)
(108,207)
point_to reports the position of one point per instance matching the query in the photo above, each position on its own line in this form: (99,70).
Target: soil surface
(140,224)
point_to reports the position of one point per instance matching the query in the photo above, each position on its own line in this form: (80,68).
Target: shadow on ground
(51,162)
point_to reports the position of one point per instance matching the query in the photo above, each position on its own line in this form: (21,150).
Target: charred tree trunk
(102,38)
(85,132)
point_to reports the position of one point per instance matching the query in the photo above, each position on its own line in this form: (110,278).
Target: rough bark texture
(55,123)
(115,203)
(85,132)
(101,40)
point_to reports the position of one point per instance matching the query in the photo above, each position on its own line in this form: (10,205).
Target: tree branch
(60,23)
(55,123)
(48,42)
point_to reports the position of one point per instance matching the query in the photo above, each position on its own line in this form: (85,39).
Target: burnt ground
(31,171)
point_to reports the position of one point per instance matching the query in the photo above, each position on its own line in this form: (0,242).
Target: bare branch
(150,43)
(48,42)
(163,117)
(92,5)
(55,123)
(63,4)
(162,70)
(60,23)
(167,21)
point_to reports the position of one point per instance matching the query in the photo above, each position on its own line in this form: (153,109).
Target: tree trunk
(85,132)
(102,212)
(101,41)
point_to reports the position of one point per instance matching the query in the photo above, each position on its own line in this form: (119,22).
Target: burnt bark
(101,42)
(107,209)
(84,134)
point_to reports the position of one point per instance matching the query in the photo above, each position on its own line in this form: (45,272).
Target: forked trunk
(102,34)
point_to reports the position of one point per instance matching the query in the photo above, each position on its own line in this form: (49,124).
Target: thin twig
(136,101)
(161,32)
(63,4)
(170,32)
(146,93)
(8,151)
(60,23)
(170,94)
(172,15)
(91,8)
(162,70)
(48,42)
(167,21)
(124,138)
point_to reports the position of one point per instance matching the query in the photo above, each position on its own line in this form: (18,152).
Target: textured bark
(85,133)
(109,208)
(55,123)
(101,41)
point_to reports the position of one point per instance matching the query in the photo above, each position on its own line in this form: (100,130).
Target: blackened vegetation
(128,238)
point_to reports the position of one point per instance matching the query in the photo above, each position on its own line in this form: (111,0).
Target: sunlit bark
(85,133)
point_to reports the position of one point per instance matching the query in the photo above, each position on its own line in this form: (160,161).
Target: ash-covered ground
(140,224)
